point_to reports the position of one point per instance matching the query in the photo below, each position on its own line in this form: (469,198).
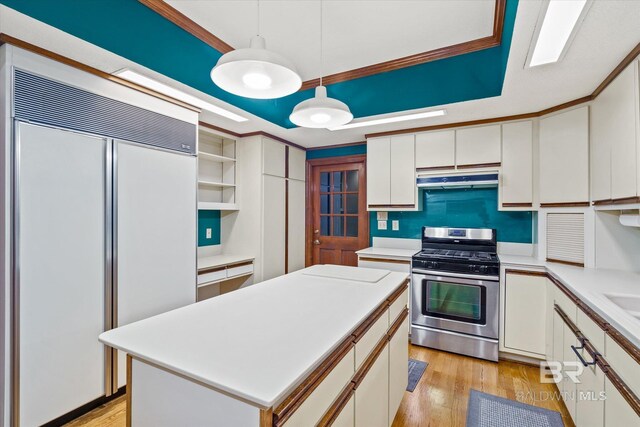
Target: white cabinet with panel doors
(391,179)
(478,147)
(436,150)
(516,177)
(271,178)
(564,158)
(614,139)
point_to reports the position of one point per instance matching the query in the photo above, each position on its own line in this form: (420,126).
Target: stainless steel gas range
(456,291)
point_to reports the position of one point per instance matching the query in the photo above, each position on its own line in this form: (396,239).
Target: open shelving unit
(216,172)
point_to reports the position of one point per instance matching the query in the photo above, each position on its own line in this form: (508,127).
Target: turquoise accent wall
(349,150)
(477,208)
(135,32)
(208,219)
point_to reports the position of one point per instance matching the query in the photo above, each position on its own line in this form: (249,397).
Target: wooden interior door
(339,221)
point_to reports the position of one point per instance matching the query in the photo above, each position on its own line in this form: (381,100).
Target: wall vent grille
(565,237)
(41,100)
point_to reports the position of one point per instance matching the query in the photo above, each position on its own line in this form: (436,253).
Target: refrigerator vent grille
(44,101)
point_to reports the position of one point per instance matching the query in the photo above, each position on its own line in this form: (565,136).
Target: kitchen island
(325,345)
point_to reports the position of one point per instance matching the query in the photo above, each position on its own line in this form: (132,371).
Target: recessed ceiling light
(403,118)
(557,30)
(134,77)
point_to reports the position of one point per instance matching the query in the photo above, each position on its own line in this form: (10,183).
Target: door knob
(316,242)
(316,231)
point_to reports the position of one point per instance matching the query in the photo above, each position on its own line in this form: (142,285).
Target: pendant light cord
(258,17)
(321,53)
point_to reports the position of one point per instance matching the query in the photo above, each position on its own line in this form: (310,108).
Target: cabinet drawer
(319,401)
(591,331)
(212,276)
(565,303)
(366,343)
(398,305)
(347,415)
(384,264)
(623,364)
(239,270)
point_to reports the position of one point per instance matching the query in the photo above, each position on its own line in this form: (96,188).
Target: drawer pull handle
(584,362)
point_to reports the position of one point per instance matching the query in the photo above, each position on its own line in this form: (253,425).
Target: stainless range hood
(468,180)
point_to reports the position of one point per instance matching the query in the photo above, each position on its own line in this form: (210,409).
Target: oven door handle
(457,275)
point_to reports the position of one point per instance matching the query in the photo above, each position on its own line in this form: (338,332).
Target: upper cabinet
(435,150)
(516,179)
(297,163)
(391,181)
(614,139)
(478,147)
(564,158)
(273,158)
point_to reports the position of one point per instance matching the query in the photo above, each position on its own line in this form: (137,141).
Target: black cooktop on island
(458,250)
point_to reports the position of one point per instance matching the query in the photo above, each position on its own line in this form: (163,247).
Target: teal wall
(477,208)
(208,219)
(349,150)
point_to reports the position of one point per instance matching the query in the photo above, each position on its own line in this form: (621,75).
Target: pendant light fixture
(321,111)
(256,72)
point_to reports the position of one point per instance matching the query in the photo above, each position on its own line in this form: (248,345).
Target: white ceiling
(609,32)
(356,33)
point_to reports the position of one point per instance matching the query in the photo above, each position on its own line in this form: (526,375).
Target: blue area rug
(487,410)
(416,369)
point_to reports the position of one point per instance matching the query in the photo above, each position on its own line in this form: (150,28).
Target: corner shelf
(216,172)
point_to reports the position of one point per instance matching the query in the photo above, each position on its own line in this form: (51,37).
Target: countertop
(221,260)
(591,285)
(260,342)
(392,253)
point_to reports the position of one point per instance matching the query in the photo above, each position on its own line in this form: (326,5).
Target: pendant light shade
(256,72)
(321,111)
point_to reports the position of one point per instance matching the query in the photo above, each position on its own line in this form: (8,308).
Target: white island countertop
(260,342)
(222,260)
(591,286)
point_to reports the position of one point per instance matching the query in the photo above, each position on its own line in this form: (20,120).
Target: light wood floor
(439,400)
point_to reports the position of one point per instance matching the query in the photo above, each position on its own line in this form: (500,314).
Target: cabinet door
(600,147)
(273,157)
(273,224)
(62,273)
(564,157)
(436,150)
(347,415)
(398,374)
(525,305)
(516,180)
(558,340)
(590,398)
(372,394)
(569,387)
(296,219)
(624,156)
(378,171)
(403,170)
(478,146)
(617,412)
(297,164)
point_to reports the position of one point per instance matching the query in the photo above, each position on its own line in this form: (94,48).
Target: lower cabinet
(398,377)
(347,417)
(590,396)
(372,394)
(617,411)
(568,385)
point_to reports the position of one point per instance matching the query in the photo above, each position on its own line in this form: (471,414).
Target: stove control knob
(483,269)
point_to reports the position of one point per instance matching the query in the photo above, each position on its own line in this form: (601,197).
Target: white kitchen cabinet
(273,157)
(347,417)
(564,157)
(398,376)
(296,223)
(273,230)
(391,178)
(378,171)
(525,307)
(436,150)
(617,412)
(590,402)
(569,387)
(478,146)
(403,175)
(297,163)
(516,179)
(614,139)
(372,394)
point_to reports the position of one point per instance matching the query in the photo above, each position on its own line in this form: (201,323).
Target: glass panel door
(455,301)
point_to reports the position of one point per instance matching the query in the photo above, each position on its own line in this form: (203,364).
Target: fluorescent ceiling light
(558,25)
(426,114)
(134,77)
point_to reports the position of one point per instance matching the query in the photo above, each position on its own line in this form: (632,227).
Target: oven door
(456,302)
